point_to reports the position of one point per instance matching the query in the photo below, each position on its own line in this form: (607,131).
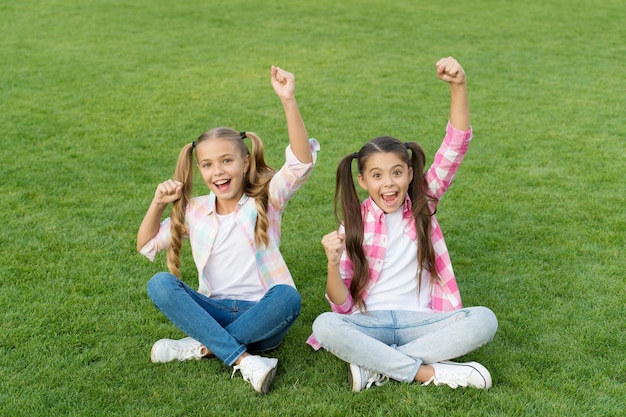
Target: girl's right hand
(168,192)
(334,247)
(449,70)
(283,83)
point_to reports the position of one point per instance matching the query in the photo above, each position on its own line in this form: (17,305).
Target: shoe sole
(355,383)
(483,372)
(152,357)
(267,381)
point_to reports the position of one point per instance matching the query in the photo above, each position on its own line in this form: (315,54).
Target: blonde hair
(256,185)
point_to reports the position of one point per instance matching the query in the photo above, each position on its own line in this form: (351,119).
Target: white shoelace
(186,350)
(376,379)
(241,368)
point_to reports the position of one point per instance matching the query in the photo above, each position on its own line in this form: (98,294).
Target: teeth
(221,182)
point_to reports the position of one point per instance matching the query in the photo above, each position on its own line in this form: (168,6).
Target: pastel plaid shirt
(445,294)
(201,221)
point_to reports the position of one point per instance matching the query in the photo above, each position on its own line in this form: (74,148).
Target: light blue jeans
(396,343)
(228,328)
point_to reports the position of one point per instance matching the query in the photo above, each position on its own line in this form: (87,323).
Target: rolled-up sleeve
(346,269)
(344,308)
(292,175)
(447,160)
(159,242)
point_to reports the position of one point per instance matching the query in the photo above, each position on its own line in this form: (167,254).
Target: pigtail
(257,183)
(184,174)
(345,192)
(256,179)
(423,209)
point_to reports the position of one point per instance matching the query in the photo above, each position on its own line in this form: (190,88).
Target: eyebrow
(393,167)
(219,157)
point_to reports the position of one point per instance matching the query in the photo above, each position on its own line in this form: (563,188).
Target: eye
(377,175)
(397,172)
(206,165)
(228,161)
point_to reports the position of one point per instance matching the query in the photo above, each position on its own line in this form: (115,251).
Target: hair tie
(355,155)
(193,144)
(243,135)
(407,145)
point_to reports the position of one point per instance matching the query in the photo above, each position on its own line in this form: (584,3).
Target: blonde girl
(246,300)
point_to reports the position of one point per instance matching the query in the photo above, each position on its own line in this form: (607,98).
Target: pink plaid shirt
(201,221)
(445,294)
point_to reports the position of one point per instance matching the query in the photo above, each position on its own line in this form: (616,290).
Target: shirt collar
(212,200)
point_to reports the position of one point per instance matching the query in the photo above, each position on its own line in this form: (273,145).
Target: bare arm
(450,71)
(284,86)
(165,193)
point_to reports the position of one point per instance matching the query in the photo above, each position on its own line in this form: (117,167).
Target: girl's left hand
(283,83)
(449,70)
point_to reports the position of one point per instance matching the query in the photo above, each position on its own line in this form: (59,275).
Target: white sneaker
(470,374)
(258,371)
(167,350)
(361,378)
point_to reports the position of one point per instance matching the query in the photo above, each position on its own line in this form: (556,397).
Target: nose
(219,169)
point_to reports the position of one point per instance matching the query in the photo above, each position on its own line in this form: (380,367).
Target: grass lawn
(97,97)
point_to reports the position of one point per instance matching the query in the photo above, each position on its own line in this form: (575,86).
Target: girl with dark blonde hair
(246,300)
(396,308)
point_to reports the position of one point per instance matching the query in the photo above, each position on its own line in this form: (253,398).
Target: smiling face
(386,177)
(223,167)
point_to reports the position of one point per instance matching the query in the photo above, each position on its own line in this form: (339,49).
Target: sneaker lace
(185,350)
(238,368)
(235,369)
(376,379)
(246,370)
(453,380)
(443,381)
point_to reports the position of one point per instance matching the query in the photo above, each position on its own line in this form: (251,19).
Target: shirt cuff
(149,250)
(344,308)
(460,134)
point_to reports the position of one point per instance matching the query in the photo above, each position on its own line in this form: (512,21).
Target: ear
(246,163)
(361,182)
(411,174)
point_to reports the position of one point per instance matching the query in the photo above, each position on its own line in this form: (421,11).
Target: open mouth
(389,199)
(222,185)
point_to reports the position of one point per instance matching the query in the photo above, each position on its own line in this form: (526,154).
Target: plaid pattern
(445,294)
(201,221)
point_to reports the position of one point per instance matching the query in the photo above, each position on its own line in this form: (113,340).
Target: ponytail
(257,186)
(421,203)
(184,174)
(422,207)
(345,192)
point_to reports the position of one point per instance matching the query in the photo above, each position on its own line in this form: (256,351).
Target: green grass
(97,97)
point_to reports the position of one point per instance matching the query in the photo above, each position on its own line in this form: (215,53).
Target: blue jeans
(396,343)
(228,328)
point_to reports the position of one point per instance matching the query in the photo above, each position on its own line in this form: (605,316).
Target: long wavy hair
(256,185)
(346,196)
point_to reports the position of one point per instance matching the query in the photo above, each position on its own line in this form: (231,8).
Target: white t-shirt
(231,267)
(396,287)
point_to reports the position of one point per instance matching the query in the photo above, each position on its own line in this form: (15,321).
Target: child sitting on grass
(247,300)
(396,308)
